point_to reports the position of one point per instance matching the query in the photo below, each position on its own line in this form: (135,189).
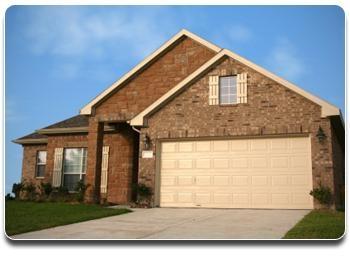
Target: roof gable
(327,109)
(88,108)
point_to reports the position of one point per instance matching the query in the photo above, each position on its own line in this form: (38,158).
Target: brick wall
(339,170)
(271,109)
(120,167)
(144,88)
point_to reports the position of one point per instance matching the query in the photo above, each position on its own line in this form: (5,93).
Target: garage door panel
(240,146)
(279,162)
(249,173)
(240,163)
(222,198)
(240,180)
(259,163)
(202,163)
(185,164)
(260,180)
(168,181)
(202,198)
(221,180)
(280,181)
(168,164)
(221,145)
(203,180)
(185,197)
(185,180)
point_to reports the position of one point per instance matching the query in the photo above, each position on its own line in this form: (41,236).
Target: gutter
(30,141)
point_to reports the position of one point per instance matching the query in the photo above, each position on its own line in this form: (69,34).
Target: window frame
(81,173)
(37,163)
(235,102)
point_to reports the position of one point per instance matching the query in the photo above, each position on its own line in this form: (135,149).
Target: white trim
(327,108)
(87,108)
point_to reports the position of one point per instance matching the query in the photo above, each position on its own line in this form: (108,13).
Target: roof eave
(63,130)
(30,141)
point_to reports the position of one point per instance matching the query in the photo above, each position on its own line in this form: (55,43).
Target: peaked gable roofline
(327,109)
(87,109)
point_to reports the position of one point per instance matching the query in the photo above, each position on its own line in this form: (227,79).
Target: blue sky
(59,58)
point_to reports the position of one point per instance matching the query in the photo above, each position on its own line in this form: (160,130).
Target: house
(203,127)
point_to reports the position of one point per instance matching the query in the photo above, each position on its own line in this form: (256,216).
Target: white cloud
(284,60)
(73,32)
(82,35)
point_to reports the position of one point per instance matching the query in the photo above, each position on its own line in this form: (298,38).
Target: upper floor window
(40,163)
(228,90)
(74,167)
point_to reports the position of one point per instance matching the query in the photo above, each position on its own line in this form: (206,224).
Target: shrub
(60,194)
(30,190)
(46,188)
(144,194)
(16,189)
(323,194)
(80,188)
(9,197)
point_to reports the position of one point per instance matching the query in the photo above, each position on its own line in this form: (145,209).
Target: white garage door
(247,173)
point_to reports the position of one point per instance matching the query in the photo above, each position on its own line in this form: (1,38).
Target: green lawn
(324,224)
(23,216)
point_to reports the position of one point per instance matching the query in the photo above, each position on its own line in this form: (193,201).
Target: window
(228,90)
(40,163)
(74,167)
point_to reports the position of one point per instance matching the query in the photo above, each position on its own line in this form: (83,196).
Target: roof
(183,33)
(75,121)
(327,109)
(75,124)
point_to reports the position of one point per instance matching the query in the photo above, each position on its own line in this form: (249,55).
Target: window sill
(39,177)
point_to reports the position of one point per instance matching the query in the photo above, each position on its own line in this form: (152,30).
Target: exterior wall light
(146,142)
(321,136)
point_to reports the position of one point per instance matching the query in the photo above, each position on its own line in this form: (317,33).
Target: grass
(319,224)
(21,216)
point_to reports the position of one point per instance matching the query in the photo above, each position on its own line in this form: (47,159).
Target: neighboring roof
(87,108)
(327,108)
(33,138)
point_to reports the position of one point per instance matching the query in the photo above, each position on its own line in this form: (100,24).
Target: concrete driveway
(179,223)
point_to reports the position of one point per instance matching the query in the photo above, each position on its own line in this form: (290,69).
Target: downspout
(138,131)
(133,127)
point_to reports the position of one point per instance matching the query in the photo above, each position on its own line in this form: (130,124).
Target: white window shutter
(104,169)
(213,90)
(242,88)
(57,168)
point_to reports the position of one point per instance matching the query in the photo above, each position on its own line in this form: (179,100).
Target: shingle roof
(33,135)
(75,121)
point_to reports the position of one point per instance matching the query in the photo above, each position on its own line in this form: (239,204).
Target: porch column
(94,154)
